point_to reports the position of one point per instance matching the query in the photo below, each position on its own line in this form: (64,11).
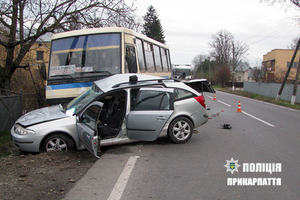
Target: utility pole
(233,66)
(209,69)
(288,71)
(293,100)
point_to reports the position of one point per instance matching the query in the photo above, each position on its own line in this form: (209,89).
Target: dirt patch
(43,175)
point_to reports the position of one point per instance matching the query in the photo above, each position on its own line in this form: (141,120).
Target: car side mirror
(82,118)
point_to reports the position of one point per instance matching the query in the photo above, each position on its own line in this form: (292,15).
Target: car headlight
(22,131)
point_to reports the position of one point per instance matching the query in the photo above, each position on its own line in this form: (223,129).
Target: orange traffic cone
(215,98)
(239,110)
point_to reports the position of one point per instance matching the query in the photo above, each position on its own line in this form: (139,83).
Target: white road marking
(209,96)
(219,101)
(258,119)
(119,188)
(248,113)
(224,103)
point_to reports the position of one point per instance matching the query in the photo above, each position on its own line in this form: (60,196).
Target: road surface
(261,137)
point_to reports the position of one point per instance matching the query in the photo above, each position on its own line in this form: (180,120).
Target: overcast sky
(189,25)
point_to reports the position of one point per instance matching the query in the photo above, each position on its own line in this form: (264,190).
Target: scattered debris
(226,126)
(216,115)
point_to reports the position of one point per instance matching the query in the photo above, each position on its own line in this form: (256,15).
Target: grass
(260,97)
(5,144)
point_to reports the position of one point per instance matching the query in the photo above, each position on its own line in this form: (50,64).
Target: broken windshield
(84,99)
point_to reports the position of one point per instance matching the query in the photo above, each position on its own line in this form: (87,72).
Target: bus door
(130,57)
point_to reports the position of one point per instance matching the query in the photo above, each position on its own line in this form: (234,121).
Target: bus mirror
(43,71)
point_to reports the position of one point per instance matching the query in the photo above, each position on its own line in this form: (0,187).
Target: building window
(39,55)
(295,64)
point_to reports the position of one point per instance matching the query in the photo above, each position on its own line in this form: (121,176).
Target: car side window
(152,100)
(181,94)
(90,116)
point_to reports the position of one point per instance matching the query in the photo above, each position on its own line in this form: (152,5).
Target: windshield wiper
(102,72)
(64,75)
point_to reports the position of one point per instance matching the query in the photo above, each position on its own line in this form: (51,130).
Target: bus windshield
(81,55)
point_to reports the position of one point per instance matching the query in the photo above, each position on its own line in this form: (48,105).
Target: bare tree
(227,52)
(293,44)
(222,75)
(258,74)
(197,60)
(221,45)
(239,49)
(296,2)
(26,21)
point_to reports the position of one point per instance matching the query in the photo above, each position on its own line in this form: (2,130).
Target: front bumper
(25,142)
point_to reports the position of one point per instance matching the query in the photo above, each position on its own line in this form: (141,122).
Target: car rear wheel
(58,142)
(180,130)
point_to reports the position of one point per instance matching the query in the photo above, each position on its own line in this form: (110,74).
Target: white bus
(182,72)
(80,57)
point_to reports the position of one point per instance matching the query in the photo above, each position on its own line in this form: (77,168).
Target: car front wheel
(58,142)
(180,130)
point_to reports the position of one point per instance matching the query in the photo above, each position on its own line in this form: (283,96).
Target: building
(241,76)
(37,55)
(276,63)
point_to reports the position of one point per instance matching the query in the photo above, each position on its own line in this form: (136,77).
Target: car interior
(112,114)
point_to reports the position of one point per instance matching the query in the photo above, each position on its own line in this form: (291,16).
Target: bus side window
(130,58)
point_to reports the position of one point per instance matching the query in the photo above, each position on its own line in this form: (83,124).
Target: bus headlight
(22,131)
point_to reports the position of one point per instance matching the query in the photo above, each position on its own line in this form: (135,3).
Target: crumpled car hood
(42,115)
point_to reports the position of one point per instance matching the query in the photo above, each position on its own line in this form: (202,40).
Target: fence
(236,84)
(11,105)
(272,89)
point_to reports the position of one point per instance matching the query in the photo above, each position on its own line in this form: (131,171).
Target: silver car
(117,109)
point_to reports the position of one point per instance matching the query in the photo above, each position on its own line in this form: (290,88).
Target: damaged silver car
(117,109)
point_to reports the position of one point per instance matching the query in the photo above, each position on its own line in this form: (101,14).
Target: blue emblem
(232,165)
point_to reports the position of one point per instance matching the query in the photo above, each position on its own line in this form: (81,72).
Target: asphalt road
(263,133)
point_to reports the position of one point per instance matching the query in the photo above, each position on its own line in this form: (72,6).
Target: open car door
(152,109)
(200,85)
(86,123)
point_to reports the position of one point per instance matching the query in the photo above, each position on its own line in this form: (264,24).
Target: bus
(80,57)
(182,72)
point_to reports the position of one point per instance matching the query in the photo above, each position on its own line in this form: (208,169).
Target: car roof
(118,81)
(123,80)
(196,80)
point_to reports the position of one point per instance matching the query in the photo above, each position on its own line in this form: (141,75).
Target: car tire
(180,130)
(58,142)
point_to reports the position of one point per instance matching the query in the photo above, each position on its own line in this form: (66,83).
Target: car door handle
(161,118)
(89,137)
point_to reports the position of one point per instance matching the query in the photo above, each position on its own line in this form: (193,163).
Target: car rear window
(181,94)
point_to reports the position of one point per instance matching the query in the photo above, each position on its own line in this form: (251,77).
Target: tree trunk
(5,76)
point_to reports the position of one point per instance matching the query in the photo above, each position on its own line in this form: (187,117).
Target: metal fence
(236,84)
(272,89)
(11,106)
